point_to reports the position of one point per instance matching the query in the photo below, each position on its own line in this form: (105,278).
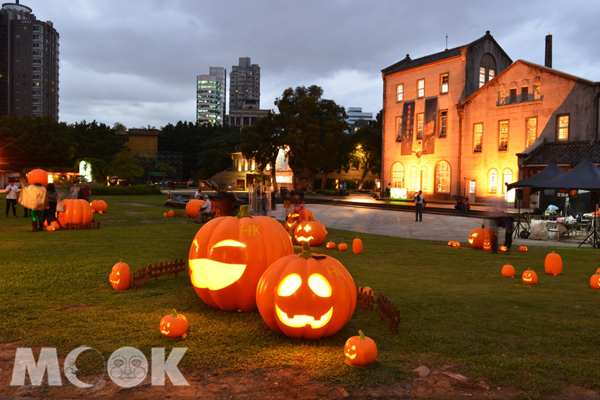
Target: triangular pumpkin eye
(319,285)
(289,285)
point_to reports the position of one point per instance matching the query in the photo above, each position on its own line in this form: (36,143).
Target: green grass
(456,308)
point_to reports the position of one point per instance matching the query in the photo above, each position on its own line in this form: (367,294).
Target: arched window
(398,175)
(506,178)
(414,178)
(424,179)
(487,69)
(493,181)
(442,177)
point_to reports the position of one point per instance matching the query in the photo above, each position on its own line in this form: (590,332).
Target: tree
(126,166)
(216,146)
(367,148)
(117,126)
(167,169)
(96,141)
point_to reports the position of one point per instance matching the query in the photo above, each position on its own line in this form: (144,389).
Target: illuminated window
(477,137)
(419,126)
(421,88)
(398,175)
(414,178)
(537,92)
(398,129)
(424,179)
(443,122)
(442,177)
(506,179)
(493,181)
(503,135)
(501,97)
(400,92)
(487,69)
(481,76)
(444,83)
(531,130)
(562,133)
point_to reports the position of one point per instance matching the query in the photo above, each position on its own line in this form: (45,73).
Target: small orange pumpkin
(357,246)
(192,208)
(49,228)
(553,264)
(487,244)
(165,215)
(595,280)
(297,216)
(120,277)
(55,225)
(171,213)
(508,271)
(523,249)
(529,277)
(456,244)
(451,243)
(367,290)
(503,248)
(174,325)
(99,206)
(360,350)
(330,245)
(342,247)
(310,231)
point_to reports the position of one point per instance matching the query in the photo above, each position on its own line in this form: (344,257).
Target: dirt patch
(133,204)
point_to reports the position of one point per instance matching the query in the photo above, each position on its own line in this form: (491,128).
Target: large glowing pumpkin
(120,276)
(297,216)
(192,208)
(306,295)
(76,212)
(99,206)
(360,350)
(310,231)
(595,280)
(553,264)
(476,238)
(228,256)
(37,176)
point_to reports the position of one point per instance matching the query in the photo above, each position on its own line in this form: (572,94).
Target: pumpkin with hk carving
(173,325)
(99,206)
(357,246)
(529,277)
(306,296)
(297,216)
(595,280)
(229,254)
(553,264)
(192,208)
(508,271)
(37,176)
(120,276)
(330,245)
(310,231)
(76,211)
(360,350)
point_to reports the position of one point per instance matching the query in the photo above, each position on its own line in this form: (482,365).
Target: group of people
(462,205)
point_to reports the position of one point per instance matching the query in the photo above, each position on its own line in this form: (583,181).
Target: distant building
(244,84)
(356,113)
(142,142)
(28,63)
(211,94)
(246,116)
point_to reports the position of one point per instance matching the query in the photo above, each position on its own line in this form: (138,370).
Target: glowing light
(289,285)
(300,321)
(319,285)
(214,275)
(228,243)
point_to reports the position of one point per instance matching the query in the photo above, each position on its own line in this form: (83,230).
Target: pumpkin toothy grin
(304,239)
(214,275)
(300,321)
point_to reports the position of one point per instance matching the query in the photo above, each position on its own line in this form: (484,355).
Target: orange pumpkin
(192,208)
(553,264)
(37,176)
(357,246)
(76,212)
(523,249)
(99,206)
(487,244)
(171,213)
(342,247)
(173,325)
(451,243)
(529,277)
(228,256)
(49,228)
(595,280)
(503,248)
(120,276)
(297,216)
(478,236)
(508,271)
(55,225)
(360,350)
(306,295)
(310,231)
(165,215)
(330,245)
(456,244)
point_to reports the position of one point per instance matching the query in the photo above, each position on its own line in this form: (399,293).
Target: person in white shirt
(419,202)
(11,199)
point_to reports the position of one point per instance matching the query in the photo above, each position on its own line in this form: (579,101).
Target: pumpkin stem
(362,335)
(306,250)
(244,212)
(174,313)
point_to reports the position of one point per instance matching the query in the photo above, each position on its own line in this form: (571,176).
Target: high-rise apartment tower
(29,58)
(211,94)
(244,84)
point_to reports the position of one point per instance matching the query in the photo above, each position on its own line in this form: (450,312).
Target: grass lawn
(456,307)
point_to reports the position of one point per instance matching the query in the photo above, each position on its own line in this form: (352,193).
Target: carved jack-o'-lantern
(553,264)
(192,208)
(508,271)
(595,280)
(451,243)
(456,244)
(476,238)
(310,231)
(306,296)
(330,245)
(173,325)
(297,216)
(75,211)
(529,277)
(360,350)
(228,256)
(120,276)
(487,244)
(503,248)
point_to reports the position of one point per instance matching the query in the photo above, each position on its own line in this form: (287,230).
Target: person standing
(34,197)
(388,192)
(11,199)
(198,194)
(264,202)
(344,189)
(74,192)
(84,192)
(419,202)
(50,212)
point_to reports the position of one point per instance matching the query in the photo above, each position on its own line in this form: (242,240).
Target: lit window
(398,175)
(398,129)
(531,130)
(537,92)
(442,177)
(421,88)
(424,179)
(506,179)
(400,92)
(414,178)
(477,136)
(503,135)
(481,76)
(443,122)
(563,128)
(444,84)
(419,126)
(501,97)
(493,181)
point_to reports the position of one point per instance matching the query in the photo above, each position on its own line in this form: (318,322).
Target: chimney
(548,61)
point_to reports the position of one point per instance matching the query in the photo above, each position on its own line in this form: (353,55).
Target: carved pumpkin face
(360,350)
(120,277)
(553,264)
(173,325)
(595,280)
(451,243)
(330,245)
(487,244)
(229,254)
(508,271)
(456,244)
(476,238)
(503,248)
(529,277)
(306,296)
(310,231)
(297,216)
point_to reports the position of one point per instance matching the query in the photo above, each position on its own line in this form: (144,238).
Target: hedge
(124,190)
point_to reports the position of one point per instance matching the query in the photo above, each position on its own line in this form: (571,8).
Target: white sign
(85,170)
(398,193)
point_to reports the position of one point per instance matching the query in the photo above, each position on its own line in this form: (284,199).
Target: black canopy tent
(585,176)
(550,172)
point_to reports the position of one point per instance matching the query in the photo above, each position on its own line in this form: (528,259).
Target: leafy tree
(167,169)
(96,140)
(215,151)
(117,126)
(126,166)
(367,148)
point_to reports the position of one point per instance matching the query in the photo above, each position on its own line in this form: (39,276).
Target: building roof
(407,63)
(143,132)
(565,153)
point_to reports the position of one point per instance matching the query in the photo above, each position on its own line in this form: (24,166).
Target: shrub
(125,190)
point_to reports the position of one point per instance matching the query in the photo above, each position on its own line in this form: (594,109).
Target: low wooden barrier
(388,312)
(364,298)
(143,274)
(73,225)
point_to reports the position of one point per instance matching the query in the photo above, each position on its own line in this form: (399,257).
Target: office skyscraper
(244,84)
(29,58)
(211,94)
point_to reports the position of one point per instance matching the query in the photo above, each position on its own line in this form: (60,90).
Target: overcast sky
(136,61)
